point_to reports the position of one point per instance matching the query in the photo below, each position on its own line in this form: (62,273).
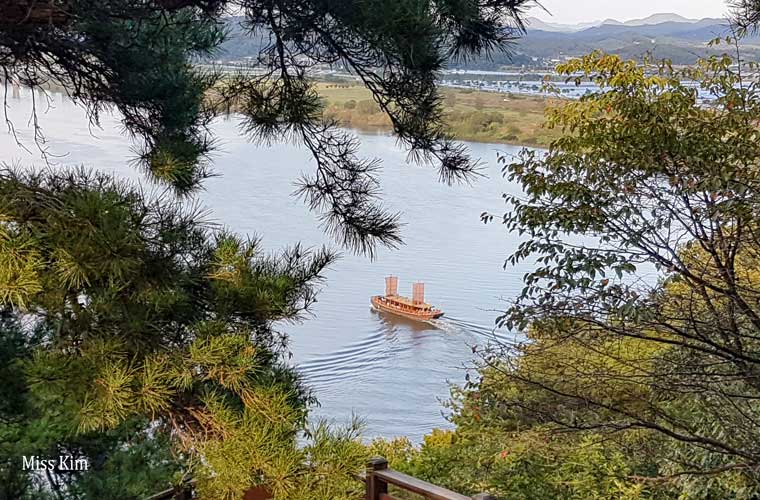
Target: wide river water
(393,373)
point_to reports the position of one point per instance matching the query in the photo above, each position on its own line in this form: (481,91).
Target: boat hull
(381,305)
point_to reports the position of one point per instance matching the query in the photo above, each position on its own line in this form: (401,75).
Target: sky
(578,11)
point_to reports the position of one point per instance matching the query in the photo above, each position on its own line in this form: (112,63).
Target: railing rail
(378,477)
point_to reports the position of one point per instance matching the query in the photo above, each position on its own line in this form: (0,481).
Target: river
(391,372)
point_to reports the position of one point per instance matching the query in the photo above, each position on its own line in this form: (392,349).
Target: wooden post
(375,486)
(484,496)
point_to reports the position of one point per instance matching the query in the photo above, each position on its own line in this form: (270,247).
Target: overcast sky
(577,11)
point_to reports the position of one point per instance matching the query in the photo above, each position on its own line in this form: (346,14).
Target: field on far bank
(471,115)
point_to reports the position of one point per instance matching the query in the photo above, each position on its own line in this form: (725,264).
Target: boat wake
(362,358)
(356,359)
(444,325)
(478,331)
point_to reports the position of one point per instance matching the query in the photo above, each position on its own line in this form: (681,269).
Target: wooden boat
(414,308)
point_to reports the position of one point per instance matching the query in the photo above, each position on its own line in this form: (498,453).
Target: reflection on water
(390,370)
(394,320)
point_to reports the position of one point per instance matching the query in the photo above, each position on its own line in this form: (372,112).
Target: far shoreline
(471,115)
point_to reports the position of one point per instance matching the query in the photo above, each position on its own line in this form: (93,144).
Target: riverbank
(471,115)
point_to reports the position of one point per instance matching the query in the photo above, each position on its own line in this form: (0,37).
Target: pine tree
(136,56)
(141,313)
(130,320)
(745,14)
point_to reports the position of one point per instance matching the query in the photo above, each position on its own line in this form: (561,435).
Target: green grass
(469,114)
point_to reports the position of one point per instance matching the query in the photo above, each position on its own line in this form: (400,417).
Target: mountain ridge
(534,23)
(657,37)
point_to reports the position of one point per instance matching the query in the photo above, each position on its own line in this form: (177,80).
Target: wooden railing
(377,479)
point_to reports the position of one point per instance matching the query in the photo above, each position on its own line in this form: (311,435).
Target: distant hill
(239,44)
(534,23)
(661,36)
(656,19)
(537,24)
